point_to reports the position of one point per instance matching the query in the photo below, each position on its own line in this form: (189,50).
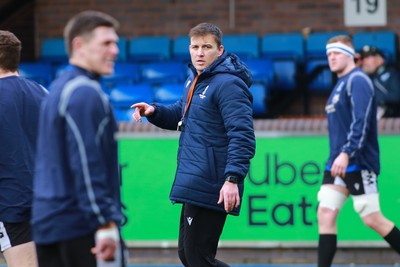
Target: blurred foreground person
(77,208)
(20,100)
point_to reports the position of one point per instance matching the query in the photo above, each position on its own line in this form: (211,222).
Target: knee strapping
(366,204)
(330,198)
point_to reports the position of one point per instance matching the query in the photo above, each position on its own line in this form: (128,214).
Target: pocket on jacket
(212,163)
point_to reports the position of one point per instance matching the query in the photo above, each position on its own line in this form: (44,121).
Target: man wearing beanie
(386,81)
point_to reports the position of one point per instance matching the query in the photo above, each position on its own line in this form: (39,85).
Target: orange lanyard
(189,100)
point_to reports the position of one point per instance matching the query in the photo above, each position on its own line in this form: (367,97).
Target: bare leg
(378,222)
(384,227)
(327,228)
(23,255)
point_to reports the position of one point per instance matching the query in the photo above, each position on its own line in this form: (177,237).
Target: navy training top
(20,100)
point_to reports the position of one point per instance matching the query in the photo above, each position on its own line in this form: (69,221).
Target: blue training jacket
(76,186)
(217,135)
(351,112)
(20,100)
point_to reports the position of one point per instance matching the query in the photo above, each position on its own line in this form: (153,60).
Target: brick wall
(176,17)
(20,23)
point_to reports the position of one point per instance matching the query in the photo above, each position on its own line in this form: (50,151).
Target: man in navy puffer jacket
(216,143)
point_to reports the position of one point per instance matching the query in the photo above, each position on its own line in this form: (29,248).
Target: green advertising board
(279,203)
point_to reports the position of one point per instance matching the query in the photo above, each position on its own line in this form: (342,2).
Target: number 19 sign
(365,13)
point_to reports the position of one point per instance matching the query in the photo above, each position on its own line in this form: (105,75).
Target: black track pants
(199,233)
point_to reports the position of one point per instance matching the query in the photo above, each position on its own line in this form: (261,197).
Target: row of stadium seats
(285,63)
(247,46)
(148,72)
(124,73)
(150,82)
(123,96)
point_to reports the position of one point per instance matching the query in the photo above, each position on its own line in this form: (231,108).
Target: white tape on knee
(330,198)
(366,204)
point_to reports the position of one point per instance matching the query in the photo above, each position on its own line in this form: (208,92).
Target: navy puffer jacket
(217,134)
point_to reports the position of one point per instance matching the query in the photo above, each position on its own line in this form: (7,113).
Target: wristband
(105,233)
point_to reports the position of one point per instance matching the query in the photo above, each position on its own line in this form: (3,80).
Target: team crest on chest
(335,98)
(203,94)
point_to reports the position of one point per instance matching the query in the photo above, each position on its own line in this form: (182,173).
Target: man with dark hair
(20,100)
(77,208)
(353,164)
(216,143)
(386,80)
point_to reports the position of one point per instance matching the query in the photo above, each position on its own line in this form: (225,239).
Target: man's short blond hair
(341,39)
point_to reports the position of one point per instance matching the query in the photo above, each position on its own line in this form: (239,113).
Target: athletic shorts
(357,182)
(14,234)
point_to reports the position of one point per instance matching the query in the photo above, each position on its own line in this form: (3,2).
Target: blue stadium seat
(262,70)
(180,49)
(319,75)
(149,48)
(245,46)
(123,96)
(124,73)
(259,92)
(384,40)
(162,72)
(283,46)
(286,50)
(285,72)
(123,114)
(53,50)
(316,44)
(168,93)
(123,49)
(41,72)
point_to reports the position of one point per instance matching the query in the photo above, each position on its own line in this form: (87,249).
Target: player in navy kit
(76,211)
(353,165)
(20,100)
